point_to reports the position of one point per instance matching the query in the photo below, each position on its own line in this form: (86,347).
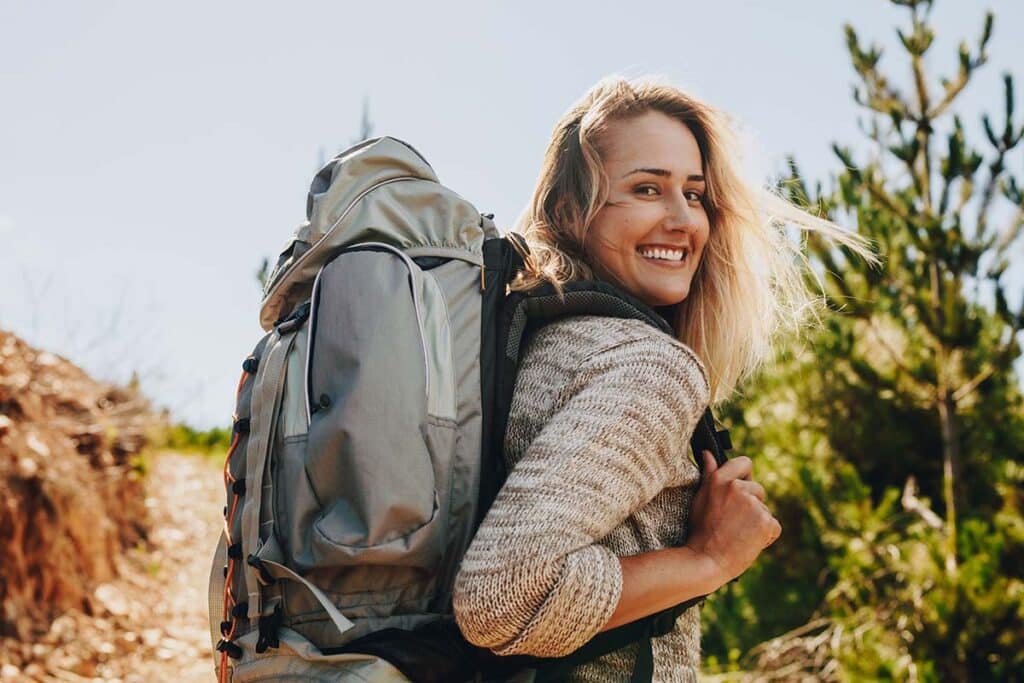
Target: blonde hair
(750,282)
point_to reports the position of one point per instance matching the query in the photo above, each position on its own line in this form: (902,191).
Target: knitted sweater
(597,444)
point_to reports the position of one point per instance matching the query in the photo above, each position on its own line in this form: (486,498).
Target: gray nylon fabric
(299,660)
(215,592)
(363,458)
(460,283)
(236,468)
(384,192)
(293,402)
(438,345)
(378,509)
(283,573)
(266,400)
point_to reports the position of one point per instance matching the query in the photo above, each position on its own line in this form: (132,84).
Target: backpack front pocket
(374,454)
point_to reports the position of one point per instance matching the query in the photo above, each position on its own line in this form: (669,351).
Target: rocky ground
(150,623)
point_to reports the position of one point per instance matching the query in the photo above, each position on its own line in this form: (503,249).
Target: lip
(658,263)
(661,245)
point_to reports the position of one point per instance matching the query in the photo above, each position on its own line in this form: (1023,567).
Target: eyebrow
(664,174)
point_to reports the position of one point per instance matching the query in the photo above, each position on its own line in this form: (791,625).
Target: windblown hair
(750,283)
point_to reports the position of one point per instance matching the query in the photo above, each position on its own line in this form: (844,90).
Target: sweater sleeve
(534,580)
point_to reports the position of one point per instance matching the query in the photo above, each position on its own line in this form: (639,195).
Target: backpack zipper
(309,343)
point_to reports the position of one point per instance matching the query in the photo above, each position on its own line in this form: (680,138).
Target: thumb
(710,464)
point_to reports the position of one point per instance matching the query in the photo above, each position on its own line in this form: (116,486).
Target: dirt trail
(153,626)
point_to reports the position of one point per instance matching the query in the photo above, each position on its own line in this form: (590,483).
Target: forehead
(651,140)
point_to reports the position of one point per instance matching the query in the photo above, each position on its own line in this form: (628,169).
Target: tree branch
(911,503)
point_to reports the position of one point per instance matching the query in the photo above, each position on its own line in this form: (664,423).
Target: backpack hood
(365,195)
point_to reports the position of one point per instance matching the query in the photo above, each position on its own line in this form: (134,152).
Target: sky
(152,154)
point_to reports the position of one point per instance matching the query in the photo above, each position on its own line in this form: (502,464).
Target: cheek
(705,235)
(611,232)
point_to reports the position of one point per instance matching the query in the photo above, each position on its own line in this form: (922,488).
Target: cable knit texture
(598,447)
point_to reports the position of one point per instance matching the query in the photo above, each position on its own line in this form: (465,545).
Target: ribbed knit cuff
(582,602)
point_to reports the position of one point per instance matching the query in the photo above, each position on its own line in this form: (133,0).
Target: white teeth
(662,254)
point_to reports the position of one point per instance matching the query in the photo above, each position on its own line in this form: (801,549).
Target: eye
(646,190)
(694,196)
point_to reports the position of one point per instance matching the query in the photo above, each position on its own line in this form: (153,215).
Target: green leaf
(986,123)
(907,41)
(986,32)
(1008,98)
(1002,307)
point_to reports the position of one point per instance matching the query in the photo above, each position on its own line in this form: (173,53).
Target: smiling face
(649,236)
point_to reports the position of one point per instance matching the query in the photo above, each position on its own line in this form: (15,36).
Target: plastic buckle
(268,627)
(264,576)
(232,650)
(290,323)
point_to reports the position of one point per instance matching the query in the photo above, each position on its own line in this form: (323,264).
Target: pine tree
(928,198)
(906,396)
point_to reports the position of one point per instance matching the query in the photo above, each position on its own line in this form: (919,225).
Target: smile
(662,253)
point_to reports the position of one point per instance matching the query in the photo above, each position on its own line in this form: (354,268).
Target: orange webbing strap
(229,480)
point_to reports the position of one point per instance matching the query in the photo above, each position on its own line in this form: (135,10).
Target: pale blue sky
(152,153)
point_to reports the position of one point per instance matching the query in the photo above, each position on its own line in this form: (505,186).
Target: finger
(753,488)
(738,468)
(774,532)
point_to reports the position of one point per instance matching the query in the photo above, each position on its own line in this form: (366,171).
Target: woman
(604,518)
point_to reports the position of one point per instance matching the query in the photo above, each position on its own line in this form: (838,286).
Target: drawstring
(230,622)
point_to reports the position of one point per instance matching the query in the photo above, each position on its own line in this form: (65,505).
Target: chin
(662,297)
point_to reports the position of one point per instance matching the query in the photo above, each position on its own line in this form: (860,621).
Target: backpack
(368,434)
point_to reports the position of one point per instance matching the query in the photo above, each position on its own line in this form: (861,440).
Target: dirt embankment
(104,552)
(73,496)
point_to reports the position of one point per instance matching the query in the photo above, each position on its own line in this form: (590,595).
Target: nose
(679,215)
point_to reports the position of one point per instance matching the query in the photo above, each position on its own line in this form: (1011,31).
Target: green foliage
(263,273)
(891,441)
(182,438)
(140,464)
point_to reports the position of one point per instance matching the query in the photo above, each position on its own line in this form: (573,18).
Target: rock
(27,468)
(112,599)
(62,629)
(46,359)
(35,671)
(37,445)
(148,624)
(152,636)
(85,667)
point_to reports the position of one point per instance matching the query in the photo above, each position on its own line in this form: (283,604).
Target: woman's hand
(729,522)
